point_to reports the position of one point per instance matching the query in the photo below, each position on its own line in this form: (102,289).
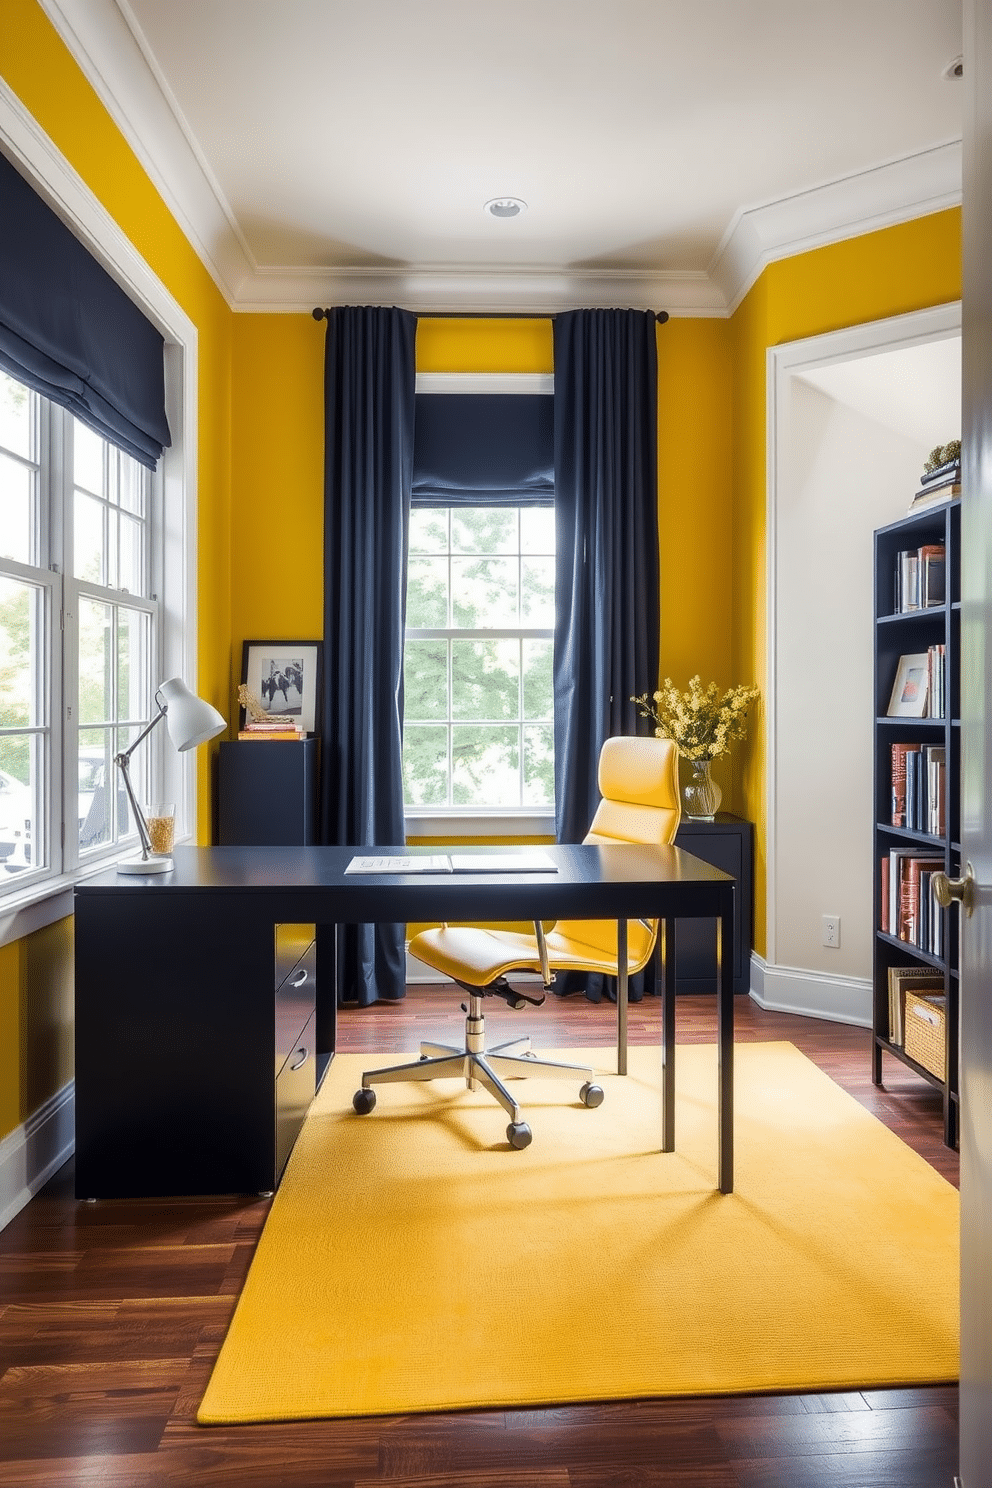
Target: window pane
(96,640)
(485,766)
(537,529)
(484,529)
(88,539)
(425,679)
(428,530)
(22,638)
(18,520)
(134,681)
(99,780)
(537,582)
(539,765)
(483,592)
(87,459)
(538,680)
(18,411)
(427,593)
(133,485)
(22,842)
(485,679)
(130,567)
(425,766)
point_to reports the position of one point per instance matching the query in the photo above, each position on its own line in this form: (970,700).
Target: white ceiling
(665,149)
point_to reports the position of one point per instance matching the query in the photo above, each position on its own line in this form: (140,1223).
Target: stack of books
(271,728)
(919,776)
(940,484)
(909,910)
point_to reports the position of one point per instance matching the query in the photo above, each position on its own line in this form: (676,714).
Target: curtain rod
(321,314)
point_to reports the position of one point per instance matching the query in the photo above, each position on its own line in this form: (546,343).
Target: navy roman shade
(483,449)
(70,332)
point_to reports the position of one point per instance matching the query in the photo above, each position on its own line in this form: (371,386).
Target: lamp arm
(123,763)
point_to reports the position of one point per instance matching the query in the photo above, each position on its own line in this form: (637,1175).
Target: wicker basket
(926,1032)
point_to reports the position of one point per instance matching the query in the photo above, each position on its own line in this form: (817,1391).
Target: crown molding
(136,95)
(480,290)
(897,191)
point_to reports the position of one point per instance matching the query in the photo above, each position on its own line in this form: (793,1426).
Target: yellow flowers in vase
(703,722)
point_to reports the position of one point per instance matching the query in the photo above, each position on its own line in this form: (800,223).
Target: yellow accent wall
(36,1031)
(909,267)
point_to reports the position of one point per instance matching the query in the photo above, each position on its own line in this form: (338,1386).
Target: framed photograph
(286,678)
(909,691)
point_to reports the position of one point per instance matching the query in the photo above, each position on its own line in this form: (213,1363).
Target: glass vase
(701,796)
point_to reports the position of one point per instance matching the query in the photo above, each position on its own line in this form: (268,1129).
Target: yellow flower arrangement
(702,721)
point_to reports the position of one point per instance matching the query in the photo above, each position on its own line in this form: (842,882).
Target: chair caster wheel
(591,1095)
(519,1004)
(363,1101)
(519,1135)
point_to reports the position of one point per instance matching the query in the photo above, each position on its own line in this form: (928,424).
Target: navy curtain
(369,389)
(607,590)
(68,331)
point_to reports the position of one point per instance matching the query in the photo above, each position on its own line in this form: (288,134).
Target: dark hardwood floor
(112,1313)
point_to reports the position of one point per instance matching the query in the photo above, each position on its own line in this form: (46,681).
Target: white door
(976,752)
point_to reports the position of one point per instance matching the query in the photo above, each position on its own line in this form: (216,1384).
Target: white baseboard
(787,989)
(31,1153)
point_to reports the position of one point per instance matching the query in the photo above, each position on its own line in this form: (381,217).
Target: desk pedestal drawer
(296,1085)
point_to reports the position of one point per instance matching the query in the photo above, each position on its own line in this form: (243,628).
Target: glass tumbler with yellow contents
(161,819)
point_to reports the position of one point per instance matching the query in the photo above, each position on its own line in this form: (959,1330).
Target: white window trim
(50,174)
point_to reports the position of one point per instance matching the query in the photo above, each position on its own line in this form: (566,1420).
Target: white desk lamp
(190,722)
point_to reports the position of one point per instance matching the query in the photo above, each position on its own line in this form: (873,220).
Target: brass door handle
(946,890)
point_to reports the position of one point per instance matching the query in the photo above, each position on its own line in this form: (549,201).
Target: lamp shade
(189,719)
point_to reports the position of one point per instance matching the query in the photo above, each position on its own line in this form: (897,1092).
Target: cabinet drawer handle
(299,979)
(301,1061)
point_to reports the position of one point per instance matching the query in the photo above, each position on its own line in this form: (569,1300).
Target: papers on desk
(523,862)
(421,864)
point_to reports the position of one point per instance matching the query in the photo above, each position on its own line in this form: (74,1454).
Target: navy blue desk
(175,988)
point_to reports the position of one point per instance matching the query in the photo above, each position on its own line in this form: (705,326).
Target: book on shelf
(935,494)
(920,979)
(919,775)
(920,578)
(906,879)
(949,470)
(271,731)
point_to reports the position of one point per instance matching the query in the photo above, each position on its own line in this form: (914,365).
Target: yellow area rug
(413,1262)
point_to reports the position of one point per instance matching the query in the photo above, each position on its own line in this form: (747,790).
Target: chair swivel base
(480,1067)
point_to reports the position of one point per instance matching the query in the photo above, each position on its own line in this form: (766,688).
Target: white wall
(848,476)
(850,435)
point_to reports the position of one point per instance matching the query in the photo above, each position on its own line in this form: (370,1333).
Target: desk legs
(666,943)
(725,1044)
(621,997)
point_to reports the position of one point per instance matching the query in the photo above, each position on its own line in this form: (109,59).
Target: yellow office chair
(638,781)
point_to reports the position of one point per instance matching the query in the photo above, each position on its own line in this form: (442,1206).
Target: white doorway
(853,416)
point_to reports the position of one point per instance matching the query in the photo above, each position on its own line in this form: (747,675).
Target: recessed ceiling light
(954,70)
(505,206)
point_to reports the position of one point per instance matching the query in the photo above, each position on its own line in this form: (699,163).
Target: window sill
(460,822)
(50,899)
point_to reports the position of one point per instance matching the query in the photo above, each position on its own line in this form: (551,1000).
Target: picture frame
(286,677)
(910,690)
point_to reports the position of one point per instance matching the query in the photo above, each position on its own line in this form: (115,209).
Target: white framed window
(31,899)
(80,637)
(478,731)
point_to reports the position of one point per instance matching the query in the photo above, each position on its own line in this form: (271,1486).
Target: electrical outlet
(831,931)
